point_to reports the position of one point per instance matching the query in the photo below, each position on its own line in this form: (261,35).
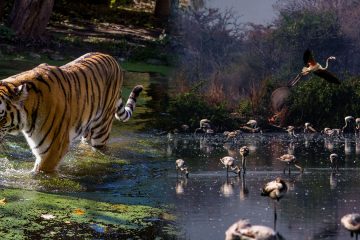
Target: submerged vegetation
(29,214)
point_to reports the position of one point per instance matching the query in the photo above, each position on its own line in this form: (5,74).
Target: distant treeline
(239,65)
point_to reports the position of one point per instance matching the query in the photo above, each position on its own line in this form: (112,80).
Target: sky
(255,11)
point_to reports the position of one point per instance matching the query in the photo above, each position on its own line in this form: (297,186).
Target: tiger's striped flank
(52,106)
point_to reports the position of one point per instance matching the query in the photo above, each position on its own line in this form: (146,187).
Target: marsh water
(138,168)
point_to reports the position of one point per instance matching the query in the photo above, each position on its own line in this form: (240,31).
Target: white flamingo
(242,229)
(181,167)
(352,223)
(311,66)
(204,126)
(244,152)
(290,159)
(309,128)
(291,131)
(251,127)
(229,163)
(276,190)
(334,161)
(331,132)
(350,126)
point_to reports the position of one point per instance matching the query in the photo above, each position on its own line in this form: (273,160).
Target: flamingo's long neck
(327,62)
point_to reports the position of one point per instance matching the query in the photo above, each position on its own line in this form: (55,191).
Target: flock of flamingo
(277,188)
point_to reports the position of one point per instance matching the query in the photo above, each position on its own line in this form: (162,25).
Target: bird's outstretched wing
(328,76)
(308,58)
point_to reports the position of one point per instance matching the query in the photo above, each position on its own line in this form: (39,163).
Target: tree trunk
(2,9)
(29,18)
(162,8)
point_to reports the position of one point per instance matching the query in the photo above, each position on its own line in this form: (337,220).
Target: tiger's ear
(20,92)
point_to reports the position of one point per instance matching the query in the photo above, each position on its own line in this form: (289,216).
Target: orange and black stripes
(54,105)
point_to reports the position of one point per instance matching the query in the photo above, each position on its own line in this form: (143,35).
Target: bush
(324,104)
(190,108)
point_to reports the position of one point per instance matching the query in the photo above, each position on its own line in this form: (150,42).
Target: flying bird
(311,66)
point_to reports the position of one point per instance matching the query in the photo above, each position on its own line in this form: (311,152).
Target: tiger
(54,106)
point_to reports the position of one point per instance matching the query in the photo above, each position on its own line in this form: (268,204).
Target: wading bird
(233,135)
(331,132)
(229,163)
(290,159)
(352,223)
(334,158)
(349,125)
(275,189)
(309,128)
(244,152)
(204,126)
(242,229)
(311,66)
(181,167)
(251,127)
(291,131)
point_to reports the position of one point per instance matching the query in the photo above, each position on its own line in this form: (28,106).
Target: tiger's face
(10,116)
(5,121)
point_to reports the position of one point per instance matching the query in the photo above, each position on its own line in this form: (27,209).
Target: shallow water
(139,169)
(208,202)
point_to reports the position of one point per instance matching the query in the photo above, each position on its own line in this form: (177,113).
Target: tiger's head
(11,106)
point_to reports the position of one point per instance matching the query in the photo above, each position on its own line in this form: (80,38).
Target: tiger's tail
(123,113)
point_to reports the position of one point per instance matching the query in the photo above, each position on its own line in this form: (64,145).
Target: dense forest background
(224,68)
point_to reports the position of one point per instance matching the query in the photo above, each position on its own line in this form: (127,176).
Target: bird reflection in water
(181,184)
(244,191)
(231,150)
(227,189)
(333,180)
(205,145)
(309,138)
(357,146)
(348,146)
(329,144)
(291,148)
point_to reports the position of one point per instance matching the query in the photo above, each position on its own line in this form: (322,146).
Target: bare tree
(29,18)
